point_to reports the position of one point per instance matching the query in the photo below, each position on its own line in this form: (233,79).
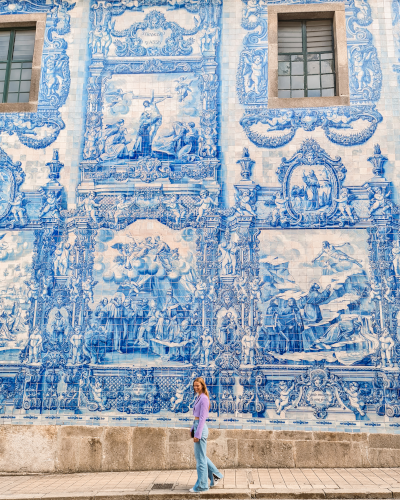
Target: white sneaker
(216,481)
(192,490)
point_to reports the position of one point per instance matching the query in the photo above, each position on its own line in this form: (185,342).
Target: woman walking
(205,468)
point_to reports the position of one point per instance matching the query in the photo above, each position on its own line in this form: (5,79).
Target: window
(16,55)
(306,66)
(307,56)
(21,47)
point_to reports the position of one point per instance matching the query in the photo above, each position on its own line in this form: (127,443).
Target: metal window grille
(16,55)
(306,66)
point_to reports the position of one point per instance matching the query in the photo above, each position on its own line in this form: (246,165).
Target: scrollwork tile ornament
(319,390)
(228,312)
(40,129)
(286,302)
(274,128)
(182,64)
(129,43)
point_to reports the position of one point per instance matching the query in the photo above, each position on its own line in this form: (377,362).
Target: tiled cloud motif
(16,260)
(110,310)
(286,302)
(144,294)
(316,303)
(347,126)
(152,94)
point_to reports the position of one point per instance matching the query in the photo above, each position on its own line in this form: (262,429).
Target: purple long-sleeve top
(200,410)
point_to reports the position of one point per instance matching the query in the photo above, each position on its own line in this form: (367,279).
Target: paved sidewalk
(237,484)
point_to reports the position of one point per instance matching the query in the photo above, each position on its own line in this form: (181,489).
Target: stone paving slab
(223,494)
(238,484)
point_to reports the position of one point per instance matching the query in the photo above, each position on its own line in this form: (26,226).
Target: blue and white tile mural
(41,129)
(347,126)
(159,222)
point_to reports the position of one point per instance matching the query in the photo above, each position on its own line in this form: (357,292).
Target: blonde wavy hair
(204,390)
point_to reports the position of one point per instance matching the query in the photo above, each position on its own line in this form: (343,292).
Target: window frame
(9,60)
(305,53)
(308,12)
(27,21)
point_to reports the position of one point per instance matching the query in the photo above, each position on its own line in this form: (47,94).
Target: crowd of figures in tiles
(286,301)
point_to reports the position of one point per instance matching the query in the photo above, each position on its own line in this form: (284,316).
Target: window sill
(18,107)
(307,102)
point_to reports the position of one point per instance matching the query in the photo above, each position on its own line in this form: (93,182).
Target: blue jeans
(205,468)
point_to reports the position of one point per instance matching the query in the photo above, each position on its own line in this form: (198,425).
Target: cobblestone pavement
(237,483)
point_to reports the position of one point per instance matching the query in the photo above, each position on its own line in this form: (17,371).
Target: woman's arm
(204,404)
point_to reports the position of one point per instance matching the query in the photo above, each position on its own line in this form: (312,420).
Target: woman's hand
(196,440)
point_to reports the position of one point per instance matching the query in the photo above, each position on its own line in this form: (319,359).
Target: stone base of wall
(64,449)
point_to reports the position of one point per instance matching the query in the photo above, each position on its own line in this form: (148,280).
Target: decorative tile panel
(161,223)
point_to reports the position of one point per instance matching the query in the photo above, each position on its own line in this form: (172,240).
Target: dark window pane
(327,66)
(3,66)
(297,82)
(15,65)
(12,97)
(15,74)
(1,87)
(24,45)
(313,82)
(283,82)
(4,43)
(297,68)
(25,87)
(26,74)
(1,97)
(317,78)
(296,58)
(23,97)
(313,67)
(27,65)
(2,74)
(327,81)
(283,68)
(328,92)
(13,86)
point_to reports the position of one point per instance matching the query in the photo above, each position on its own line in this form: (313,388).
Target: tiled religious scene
(159,221)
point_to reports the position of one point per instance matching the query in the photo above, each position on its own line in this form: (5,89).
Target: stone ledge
(19,496)
(237,494)
(226,494)
(372,492)
(74,496)
(286,493)
(120,495)
(218,493)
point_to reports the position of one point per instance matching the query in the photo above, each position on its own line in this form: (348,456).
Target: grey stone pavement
(237,484)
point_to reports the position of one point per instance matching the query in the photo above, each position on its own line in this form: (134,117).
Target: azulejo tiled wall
(159,222)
